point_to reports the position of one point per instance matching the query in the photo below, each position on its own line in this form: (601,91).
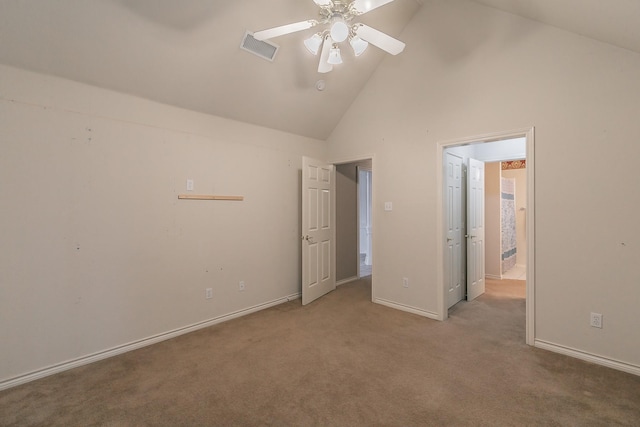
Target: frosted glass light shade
(334,56)
(313,43)
(339,31)
(358,45)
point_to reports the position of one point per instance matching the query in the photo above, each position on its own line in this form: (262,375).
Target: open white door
(318,272)
(454,226)
(475,229)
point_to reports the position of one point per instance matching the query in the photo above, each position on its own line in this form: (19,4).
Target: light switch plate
(189,185)
(388,206)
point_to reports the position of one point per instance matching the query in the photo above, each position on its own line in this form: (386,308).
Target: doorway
(354,220)
(505,207)
(487,148)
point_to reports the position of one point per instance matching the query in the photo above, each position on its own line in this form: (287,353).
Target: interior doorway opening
(354,220)
(506,209)
(472,244)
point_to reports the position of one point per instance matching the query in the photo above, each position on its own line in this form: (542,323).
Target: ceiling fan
(338,14)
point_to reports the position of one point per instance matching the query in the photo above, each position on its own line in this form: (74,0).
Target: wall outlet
(596,320)
(189,185)
(208,293)
(241,285)
(405,282)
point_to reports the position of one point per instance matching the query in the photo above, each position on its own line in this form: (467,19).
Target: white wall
(471,70)
(97,251)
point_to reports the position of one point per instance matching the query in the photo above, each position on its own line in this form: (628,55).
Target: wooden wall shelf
(209,197)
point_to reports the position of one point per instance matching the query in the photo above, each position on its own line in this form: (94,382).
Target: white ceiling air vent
(263,49)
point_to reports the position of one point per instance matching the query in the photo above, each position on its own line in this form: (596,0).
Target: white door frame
(529,134)
(359,212)
(357,159)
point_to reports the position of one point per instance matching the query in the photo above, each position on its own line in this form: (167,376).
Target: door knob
(308,239)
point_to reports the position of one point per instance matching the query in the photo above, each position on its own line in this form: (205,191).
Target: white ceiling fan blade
(380,39)
(282,30)
(322,2)
(324,66)
(364,6)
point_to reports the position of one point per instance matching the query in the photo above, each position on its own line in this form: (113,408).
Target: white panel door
(475,229)
(454,229)
(318,272)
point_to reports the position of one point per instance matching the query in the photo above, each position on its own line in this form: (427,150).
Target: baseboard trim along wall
(347,280)
(407,308)
(85,360)
(493,277)
(588,357)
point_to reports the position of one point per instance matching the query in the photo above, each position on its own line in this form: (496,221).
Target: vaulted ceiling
(187,53)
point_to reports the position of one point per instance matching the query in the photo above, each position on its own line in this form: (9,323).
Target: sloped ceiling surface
(616,22)
(187,53)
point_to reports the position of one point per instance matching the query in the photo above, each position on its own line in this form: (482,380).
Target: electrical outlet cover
(596,320)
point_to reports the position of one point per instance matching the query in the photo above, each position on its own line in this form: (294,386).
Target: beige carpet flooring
(341,361)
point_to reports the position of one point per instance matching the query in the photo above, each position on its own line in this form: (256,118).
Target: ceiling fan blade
(283,29)
(380,39)
(324,66)
(364,6)
(322,2)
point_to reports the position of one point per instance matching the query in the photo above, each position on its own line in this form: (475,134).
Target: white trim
(347,280)
(354,159)
(530,327)
(358,210)
(493,277)
(529,134)
(85,360)
(407,308)
(588,357)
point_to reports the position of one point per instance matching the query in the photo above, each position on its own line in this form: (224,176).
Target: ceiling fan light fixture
(358,45)
(313,43)
(339,30)
(334,56)
(336,17)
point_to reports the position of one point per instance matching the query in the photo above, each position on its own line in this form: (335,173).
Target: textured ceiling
(186,53)
(616,22)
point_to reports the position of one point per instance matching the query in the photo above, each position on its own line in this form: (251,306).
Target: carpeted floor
(341,361)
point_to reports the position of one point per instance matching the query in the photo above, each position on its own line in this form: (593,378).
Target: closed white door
(454,227)
(318,272)
(475,229)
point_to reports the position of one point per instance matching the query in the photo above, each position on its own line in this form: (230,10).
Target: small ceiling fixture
(337,15)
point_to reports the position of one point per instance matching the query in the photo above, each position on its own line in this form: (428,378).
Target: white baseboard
(492,276)
(347,280)
(598,360)
(85,360)
(407,308)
